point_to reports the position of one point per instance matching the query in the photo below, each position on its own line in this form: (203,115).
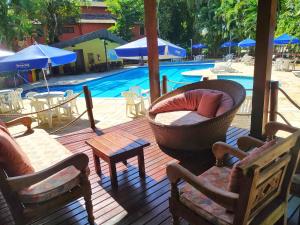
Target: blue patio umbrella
(229,45)
(37,56)
(247,43)
(199,46)
(285,39)
(138,49)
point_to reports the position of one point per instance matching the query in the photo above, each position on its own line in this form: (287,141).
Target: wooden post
(266,18)
(273,100)
(164,84)
(151,34)
(89,106)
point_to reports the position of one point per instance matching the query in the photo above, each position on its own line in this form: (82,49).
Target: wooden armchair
(25,120)
(254,191)
(49,186)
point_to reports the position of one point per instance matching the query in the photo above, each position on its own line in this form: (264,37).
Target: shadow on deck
(137,201)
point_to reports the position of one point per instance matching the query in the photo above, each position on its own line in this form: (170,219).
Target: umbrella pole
(46,80)
(15,81)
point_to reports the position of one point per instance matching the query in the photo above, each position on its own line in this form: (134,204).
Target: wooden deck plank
(137,201)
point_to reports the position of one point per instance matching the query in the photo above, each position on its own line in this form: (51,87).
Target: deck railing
(274,94)
(166,81)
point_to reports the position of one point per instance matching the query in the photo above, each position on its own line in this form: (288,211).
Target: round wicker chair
(200,136)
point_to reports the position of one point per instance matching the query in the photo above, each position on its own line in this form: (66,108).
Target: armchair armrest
(25,120)
(227,199)
(272,128)
(245,143)
(79,161)
(220,149)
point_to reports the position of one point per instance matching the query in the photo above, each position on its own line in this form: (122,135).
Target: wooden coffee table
(117,146)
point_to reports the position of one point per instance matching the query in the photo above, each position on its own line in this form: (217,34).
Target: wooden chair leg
(175,220)
(87,195)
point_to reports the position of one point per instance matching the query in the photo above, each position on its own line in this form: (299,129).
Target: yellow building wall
(95,46)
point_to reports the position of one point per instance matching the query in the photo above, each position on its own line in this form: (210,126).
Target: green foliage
(14,21)
(288,19)
(21,18)
(128,13)
(175,24)
(54,14)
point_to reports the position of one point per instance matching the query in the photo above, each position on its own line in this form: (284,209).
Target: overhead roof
(101,34)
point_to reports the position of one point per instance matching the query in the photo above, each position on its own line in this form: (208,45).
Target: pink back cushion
(185,101)
(4,127)
(209,104)
(235,174)
(12,159)
(190,101)
(225,105)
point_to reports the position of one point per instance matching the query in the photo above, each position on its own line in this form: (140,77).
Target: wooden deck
(137,201)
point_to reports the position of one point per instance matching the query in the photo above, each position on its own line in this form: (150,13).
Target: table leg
(97,164)
(113,174)
(141,162)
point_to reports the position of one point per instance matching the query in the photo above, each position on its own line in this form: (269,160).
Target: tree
(14,21)
(208,26)
(288,19)
(175,22)
(127,13)
(54,14)
(21,18)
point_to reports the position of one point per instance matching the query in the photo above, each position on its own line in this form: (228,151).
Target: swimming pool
(113,85)
(245,81)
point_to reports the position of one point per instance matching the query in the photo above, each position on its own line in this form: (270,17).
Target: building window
(68,30)
(142,30)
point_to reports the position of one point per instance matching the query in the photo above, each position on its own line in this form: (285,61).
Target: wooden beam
(266,19)
(153,62)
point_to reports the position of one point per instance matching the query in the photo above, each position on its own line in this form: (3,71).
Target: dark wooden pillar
(274,101)
(153,62)
(266,18)
(89,106)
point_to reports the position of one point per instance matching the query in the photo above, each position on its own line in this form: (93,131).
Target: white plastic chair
(29,96)
(278,64)
(142,93)
(137,90)
(4,108)
(42,117)
(286,65)
(69,107)
(19,92)
(13,100)
(134,104)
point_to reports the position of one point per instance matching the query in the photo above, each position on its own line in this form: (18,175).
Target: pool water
(114,85)
(245,81)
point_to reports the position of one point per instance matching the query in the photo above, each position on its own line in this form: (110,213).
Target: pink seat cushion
(235,174)
(4,127)
(209,104)
(190,100)
(12,158)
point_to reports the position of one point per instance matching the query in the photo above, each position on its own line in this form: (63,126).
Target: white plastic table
(49,96)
